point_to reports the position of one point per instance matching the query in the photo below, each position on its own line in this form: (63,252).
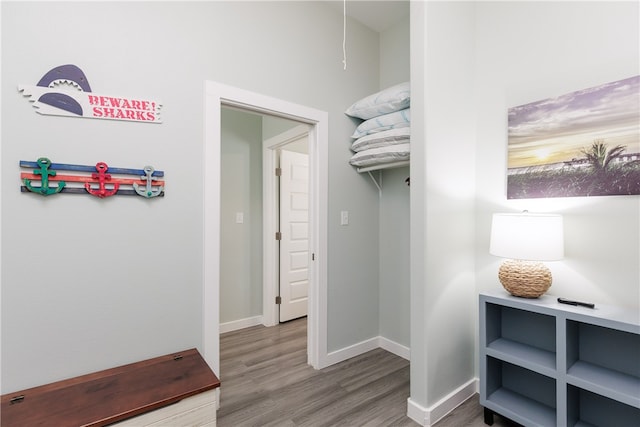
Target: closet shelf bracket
(375,181)
(379,168)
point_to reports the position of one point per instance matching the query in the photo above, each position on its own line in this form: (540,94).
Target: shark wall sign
(65,91)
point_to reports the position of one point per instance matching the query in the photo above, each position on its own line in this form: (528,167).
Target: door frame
(217,95)
(270,252)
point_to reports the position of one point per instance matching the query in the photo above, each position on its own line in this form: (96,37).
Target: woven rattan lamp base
(527,279)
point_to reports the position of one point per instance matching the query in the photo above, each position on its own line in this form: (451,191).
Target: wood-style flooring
(265,381)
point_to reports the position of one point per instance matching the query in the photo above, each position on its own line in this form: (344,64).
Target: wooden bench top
(112,395)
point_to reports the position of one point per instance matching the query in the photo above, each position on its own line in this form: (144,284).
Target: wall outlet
(239,217)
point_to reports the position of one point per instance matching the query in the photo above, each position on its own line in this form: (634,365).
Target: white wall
(394,257)
(353,292)
(241,192)
(272,126)
(394,54)
(442,201)
(90,284)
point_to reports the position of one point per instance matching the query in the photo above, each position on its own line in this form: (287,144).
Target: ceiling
(378,15)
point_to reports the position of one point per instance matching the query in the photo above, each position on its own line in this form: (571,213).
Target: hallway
(266,382)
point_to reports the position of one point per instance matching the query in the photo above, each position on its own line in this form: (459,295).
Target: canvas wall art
(584,143)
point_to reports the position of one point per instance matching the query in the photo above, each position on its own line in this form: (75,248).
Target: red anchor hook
(102,176)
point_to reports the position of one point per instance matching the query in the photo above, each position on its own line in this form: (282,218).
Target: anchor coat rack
(98,180)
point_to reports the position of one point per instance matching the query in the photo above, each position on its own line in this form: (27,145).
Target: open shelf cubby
(543,363)
(523,395)
(604,361)
(521,336)
(587,409)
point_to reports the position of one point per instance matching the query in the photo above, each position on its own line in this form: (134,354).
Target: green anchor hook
(44,171)
(148,190)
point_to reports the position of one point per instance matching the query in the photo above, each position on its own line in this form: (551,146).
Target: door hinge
(278,300)
(278,171)
(278,235)
(313,257)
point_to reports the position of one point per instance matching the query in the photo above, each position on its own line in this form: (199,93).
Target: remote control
(571,302)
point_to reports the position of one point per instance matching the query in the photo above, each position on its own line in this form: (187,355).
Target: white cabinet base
(194,411)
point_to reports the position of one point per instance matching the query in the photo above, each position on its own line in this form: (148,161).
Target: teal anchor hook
(148,190)
(44,171)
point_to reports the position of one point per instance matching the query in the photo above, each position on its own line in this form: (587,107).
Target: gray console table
(543,363)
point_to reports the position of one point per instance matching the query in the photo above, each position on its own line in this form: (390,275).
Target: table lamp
(526,239)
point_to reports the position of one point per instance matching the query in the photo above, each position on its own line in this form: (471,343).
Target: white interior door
(294,228)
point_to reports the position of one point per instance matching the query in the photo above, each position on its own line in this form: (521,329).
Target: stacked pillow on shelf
(384,135)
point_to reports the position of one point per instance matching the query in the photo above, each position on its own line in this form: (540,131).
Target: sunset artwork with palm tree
(585,143)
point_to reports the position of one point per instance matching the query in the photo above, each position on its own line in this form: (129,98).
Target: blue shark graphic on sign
(65,91)
(64,74)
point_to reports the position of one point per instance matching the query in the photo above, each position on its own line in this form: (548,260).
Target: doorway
(216,96)
(264,257)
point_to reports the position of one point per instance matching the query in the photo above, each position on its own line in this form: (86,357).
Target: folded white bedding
(381,155)
(395,120)
(394,98)
(381,139)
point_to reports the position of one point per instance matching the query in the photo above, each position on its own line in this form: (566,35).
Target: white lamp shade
(526,236)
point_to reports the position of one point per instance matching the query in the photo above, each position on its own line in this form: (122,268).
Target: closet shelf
(383,166)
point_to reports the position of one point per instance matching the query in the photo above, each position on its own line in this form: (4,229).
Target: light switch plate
(344,218)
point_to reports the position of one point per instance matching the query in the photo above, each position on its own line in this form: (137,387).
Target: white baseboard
(368,345)
(351,351)
(240,324)
(395,348)
(429,416)
(417,413)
